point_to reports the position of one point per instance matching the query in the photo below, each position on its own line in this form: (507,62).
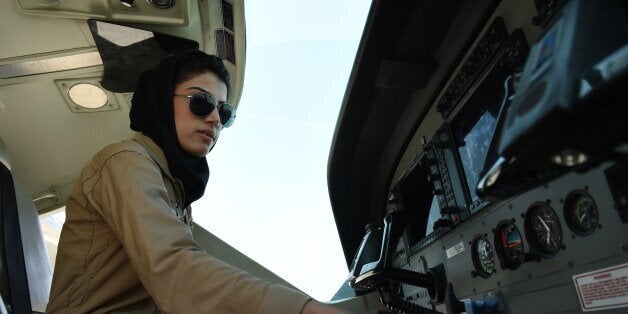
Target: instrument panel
(502,173)
(523,252)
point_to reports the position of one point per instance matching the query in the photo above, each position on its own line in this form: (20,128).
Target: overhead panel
(149,12)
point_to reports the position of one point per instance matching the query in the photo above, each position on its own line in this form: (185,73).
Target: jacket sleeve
(131,197)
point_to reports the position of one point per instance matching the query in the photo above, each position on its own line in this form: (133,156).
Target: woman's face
(197,135)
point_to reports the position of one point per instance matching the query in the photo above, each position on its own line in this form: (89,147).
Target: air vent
(227,15)
(225,45)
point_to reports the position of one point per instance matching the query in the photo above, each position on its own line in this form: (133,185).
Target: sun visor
(126,52)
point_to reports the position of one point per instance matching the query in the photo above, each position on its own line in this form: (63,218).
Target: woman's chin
(199,150)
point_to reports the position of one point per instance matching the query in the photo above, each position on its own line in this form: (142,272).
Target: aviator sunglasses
(202,104)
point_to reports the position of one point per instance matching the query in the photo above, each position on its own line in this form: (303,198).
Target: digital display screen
(474,126)
(473,153)
(418,199)
(433,216)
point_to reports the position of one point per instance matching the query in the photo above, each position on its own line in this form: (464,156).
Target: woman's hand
(315,307)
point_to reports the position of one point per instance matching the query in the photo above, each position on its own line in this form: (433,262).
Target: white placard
(455,250)
(603,289)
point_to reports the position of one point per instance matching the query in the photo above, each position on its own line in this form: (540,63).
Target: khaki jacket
(127,246)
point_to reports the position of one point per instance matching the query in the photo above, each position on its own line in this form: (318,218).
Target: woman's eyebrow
(200,89)
(204,91)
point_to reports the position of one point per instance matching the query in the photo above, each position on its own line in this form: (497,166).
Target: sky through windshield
(267,193)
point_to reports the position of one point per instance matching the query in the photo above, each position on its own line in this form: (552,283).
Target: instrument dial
(483,258)
(581,213)
(509,245)
(543,230)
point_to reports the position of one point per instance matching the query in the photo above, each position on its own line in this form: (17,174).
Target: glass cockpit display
(416,196)
(475,148)
(474,126)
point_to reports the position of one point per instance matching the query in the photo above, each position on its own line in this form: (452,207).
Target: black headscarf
(152,113)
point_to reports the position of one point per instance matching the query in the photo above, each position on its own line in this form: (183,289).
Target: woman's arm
(314,307)
(180,276)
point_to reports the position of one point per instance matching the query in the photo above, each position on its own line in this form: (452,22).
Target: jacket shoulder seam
(102,165)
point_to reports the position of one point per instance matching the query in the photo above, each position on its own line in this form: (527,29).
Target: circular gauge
(483,258)
(543,231)
(581,212)
(508,245)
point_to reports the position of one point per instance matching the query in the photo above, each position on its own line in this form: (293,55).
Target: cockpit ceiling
(47,47)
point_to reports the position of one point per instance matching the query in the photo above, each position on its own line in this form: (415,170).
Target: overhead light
(569,157)
(162,4)
(88,96)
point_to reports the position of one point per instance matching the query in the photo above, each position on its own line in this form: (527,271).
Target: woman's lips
(206,136)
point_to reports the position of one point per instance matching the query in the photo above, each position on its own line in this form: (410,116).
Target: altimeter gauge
(543,230)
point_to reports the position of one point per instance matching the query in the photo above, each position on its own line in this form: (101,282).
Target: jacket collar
(155,152)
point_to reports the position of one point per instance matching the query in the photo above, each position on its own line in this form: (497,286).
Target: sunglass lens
(227,114)
(202,104)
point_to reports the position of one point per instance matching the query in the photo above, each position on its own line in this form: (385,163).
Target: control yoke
(372,270)
(372,266)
